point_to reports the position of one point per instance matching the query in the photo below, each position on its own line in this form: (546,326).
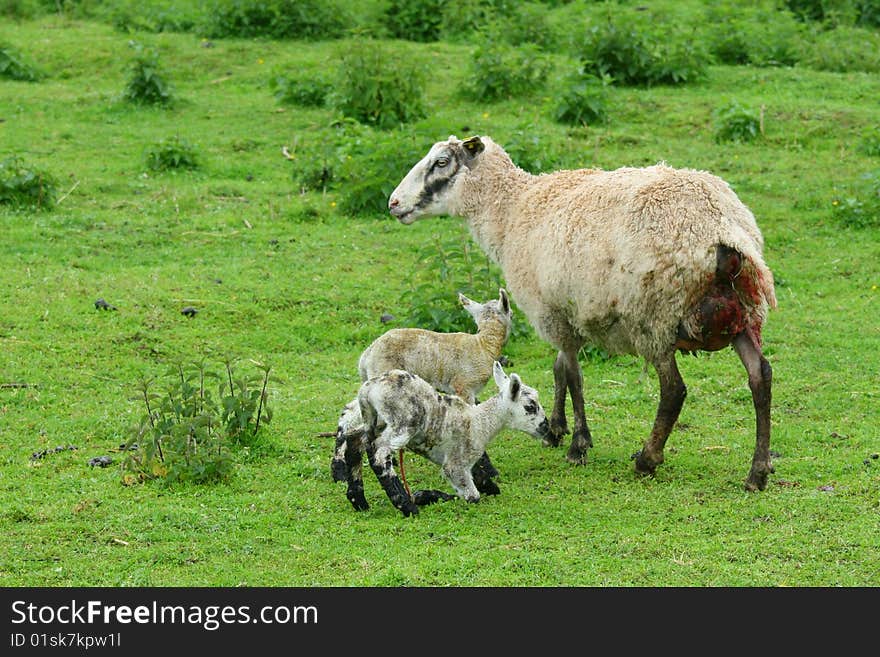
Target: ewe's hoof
(643,467)
(409,509)
(758,477)
(580,444)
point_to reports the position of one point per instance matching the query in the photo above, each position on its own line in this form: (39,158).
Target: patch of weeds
(172,153)
(529,152)
(14,67)
(23,186)
(860,207)
(499,71)
(843,49)
(758,35)
(303,91)
(379,89)
(186,434)
(736,123)
(146,83)
(583,100)
(443,269)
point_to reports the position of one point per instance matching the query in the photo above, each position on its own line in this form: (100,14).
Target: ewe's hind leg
(354,461)
(672,394)
(382,464)
(760,377)
(581,440)
(486,465)
(558,423)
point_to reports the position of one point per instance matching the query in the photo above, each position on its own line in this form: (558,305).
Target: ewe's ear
(473,146)
(515,387)
(500,376)
(505,301)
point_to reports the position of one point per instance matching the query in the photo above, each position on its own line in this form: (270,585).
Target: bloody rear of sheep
(647,261)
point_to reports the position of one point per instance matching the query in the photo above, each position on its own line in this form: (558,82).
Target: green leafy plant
(870,143)
(146,83)
(187,432)
(14,67)
(379,89)
(733,122)
(172,153)
(583,101)
(23,186)
(415,20)
(631,56)
(860,207)
(446,268)
(499,71)
(278,19)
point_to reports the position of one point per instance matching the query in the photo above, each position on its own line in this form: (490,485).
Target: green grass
(287,279)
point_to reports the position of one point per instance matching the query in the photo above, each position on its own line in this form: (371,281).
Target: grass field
(291,280)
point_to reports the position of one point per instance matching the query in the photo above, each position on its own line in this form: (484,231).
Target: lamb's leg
(461,479)
(483,479)
(672,394)
(382,464)
(354,461)
(760,377)
(558,423)
(581,440)
(338,468)
(486,465)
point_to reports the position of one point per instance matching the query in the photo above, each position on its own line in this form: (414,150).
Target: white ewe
(401,410)
(643,261)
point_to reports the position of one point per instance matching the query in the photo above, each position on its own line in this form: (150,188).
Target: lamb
(456,363)
(402,410)
(647,261)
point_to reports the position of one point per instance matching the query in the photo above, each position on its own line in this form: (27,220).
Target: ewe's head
(519,403)
(497,310)
(426,190)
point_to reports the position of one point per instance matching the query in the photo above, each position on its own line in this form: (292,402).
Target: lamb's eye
(442,162)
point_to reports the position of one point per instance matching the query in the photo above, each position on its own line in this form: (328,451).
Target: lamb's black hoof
(426,497)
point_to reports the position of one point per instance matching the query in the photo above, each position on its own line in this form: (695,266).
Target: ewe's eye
(442,162)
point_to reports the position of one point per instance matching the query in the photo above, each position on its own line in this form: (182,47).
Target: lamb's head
(428,188)
(519,404)
(497,310)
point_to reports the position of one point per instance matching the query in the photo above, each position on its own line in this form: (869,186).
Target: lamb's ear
(463,300)
(505,301)
(515,386)
(473,146)
(500,376)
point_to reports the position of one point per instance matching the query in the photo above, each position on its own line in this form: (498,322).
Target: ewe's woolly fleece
(621,256)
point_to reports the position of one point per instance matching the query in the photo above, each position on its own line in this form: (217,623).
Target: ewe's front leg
(760,378)
(382,464)
(558,423)
(581,440)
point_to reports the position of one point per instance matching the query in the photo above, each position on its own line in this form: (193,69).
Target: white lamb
(457,363)
(402,410)
(643,261)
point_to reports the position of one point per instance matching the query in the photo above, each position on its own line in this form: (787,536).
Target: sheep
(456,363)
(402,410)
(647,261)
